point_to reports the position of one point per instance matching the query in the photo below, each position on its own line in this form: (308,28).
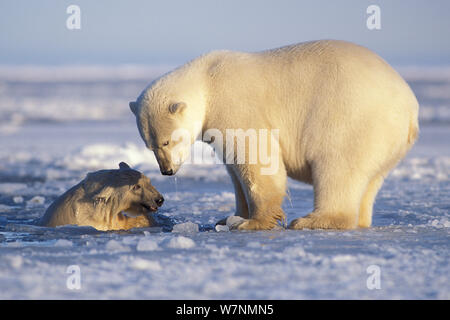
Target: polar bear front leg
(264,195)
(123,222)
(241,202)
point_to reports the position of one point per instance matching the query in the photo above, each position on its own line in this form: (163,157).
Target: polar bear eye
(165,143)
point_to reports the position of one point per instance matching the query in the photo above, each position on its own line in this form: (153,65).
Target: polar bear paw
(324,221)
(253,224)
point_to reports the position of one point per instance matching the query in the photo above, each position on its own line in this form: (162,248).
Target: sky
(171,32)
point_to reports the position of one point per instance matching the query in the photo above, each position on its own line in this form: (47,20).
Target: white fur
(345,118)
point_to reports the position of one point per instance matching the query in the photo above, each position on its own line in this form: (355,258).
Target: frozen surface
(52,145)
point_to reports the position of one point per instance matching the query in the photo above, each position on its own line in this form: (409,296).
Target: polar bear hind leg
(337,198)
(367,201)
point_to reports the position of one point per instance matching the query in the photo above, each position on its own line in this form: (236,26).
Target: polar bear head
(122,190)
(169,116)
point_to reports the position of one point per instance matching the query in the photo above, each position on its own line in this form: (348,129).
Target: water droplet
(176,188)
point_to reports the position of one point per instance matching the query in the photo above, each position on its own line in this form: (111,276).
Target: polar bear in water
(101,199)
(344,117)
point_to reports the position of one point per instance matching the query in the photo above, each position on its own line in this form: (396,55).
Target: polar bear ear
(124,165)
(133,107)
(177,107)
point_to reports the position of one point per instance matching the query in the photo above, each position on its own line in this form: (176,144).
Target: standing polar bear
(344,119)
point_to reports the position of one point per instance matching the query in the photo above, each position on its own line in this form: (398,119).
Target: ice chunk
(222,228)
(186,227)
(147,245)
(181,242)
(143,264)
(36,201)
(18,199)
(234,221)
(442,223)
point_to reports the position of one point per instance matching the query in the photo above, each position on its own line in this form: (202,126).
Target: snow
(14,261)
(181,242)
(63,243)
(53,132)
(147,245)
(142,264)
(116,246)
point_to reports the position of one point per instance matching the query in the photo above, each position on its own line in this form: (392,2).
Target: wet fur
(101,200)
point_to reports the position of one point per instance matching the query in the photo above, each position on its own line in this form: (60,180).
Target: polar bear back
(317,93)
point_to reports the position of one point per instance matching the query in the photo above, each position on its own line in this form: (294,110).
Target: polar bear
(344,117)
(101,198)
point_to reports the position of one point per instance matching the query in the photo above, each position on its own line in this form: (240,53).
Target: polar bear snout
(159,201)
(165,164)
(150,200)
(168,172)
(153,204)
(166,167)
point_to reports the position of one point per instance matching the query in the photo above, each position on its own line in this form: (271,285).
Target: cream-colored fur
(102,198)
(345,119)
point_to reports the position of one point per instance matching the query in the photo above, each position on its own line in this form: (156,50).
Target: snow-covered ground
(55,130)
